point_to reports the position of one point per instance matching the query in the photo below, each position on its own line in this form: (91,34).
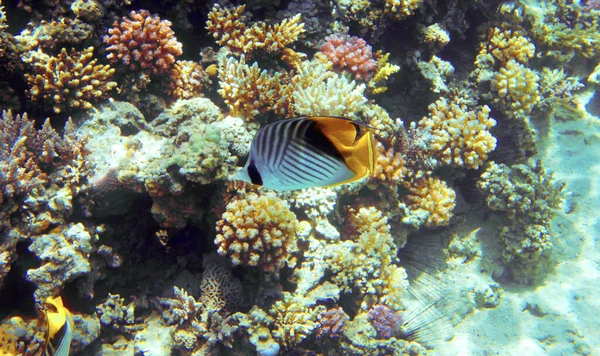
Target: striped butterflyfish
(305,152)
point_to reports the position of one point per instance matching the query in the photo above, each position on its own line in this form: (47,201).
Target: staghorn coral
(350,52)
(143,42)
(460,136)
(71,80)
(186,80)
(228,27)
(430,201)
(516,87)
(258,231)
(248,90)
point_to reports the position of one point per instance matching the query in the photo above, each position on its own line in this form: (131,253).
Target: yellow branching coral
(69,80)
(382,73)
(505,44)
(186,80)
(369,261)
(257,231)
(248,90)
(517,89)
(460,136)
(434,198)
(401,9)
(391,166)
(228,28)
(435,35)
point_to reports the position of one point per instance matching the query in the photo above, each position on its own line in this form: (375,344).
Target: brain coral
(143,42)
(257,231)
(221,291)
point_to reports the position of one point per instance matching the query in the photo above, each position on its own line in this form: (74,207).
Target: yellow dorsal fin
(359,154)
(57,319)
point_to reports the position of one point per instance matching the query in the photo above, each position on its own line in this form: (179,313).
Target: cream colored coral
(516,87)
(186,80)
(435,35)
(257,231)
(391,166)
(334,96)
(433,197)
(294,320)
(460,136)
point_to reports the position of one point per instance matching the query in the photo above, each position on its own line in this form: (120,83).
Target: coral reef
(517,89)
(71,80)
(258,231)
(430,202)
(530,197)
(186,80)
(143,42)
(461,137)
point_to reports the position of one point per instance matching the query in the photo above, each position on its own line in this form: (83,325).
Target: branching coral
(186,80)
(460,136)
(331,323)
(517,89)
(322,93)
(143,42)
(350,52)
(386,322)
(258,231)
(68,81)
(431,201)
(359,263)
(505,44)
(293,319)
(382,73)
(248,90)
(558,94)
(228,28)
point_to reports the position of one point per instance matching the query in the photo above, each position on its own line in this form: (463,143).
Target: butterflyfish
(305,152)
(60,328)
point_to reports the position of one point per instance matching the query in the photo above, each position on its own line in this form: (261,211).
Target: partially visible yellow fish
(60,326)
(305,152)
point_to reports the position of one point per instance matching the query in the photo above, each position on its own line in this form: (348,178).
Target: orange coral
(143,42)
(390,165)
(69,80)
(257,231)
(517,89)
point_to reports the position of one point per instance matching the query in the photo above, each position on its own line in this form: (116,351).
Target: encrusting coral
(258,231)
(71,80)
(143,42)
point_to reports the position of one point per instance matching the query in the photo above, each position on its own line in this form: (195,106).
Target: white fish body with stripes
(306,152)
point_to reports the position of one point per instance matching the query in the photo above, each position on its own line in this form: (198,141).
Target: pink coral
(350,52)
(143,41)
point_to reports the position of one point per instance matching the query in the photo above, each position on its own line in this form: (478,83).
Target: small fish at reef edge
(305,152)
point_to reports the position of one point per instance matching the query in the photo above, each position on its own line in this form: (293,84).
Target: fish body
(60,327)
(305,152)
